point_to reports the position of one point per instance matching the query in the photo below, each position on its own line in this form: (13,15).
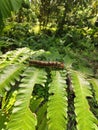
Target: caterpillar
(52,64)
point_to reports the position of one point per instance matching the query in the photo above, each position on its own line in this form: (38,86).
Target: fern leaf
(84,117)
(39,106)
(3,59)
(22,118)
(94,83)
(41,117)
(17,56)
(35,103)
(57,104)
(43,124)
(9,75)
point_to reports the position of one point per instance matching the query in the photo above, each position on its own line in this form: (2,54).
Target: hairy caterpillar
(52,64)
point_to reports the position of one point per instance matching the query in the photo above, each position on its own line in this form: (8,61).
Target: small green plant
(38,97)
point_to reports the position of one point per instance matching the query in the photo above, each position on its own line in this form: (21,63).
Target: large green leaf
(94,83)
(39,106)
(57,104)
(22,118)
(18,56)
(6,6)
(35,103)
(8,77)
(84,117)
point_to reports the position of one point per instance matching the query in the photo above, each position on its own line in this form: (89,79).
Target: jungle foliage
(48,65)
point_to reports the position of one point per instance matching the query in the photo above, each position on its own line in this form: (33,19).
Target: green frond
(94,83)
(57,104)
(9,75)
(16,56)
(3,59)
(41,117)
(84,117)
(22,118)
(39,106)
(43,125)
(35,103)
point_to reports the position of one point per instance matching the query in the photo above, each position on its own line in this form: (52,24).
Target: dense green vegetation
(48,65)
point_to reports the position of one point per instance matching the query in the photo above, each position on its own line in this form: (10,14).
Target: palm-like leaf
(9,75)
(84,117)
(94,83)
(18,56)
(22,118)
(57,104)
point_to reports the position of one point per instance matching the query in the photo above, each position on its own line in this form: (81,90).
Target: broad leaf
(20,55)
(94,83)
(84,117)
(8,77)
(57,104)
(22,118)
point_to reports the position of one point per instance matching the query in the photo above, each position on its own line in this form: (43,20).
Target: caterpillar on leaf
(52,64)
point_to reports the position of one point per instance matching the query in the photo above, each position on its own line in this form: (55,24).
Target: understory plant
(43,96)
